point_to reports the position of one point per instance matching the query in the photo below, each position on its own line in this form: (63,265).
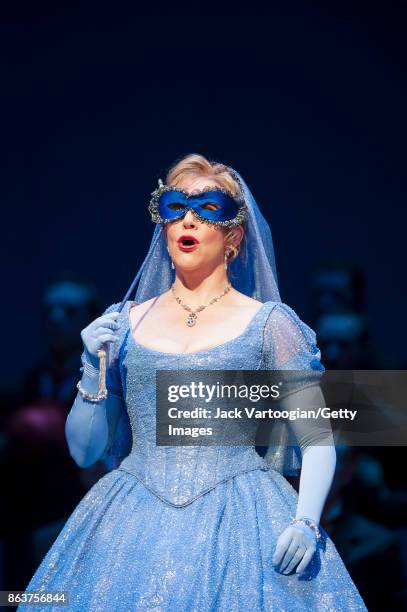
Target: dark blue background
(306,101)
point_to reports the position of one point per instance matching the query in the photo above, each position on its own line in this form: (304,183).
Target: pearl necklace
(192,317)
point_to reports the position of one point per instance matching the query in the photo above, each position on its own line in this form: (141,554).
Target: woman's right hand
(97,333)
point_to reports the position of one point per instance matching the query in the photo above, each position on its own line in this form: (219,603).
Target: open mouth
(187,243)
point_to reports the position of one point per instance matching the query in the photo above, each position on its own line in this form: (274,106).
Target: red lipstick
(186,242)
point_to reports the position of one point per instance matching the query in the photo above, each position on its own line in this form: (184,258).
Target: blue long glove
(297,543)
(90,426)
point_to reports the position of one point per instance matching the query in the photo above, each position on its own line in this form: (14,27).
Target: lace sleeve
(290,344)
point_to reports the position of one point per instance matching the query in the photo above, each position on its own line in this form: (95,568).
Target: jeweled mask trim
(153,206)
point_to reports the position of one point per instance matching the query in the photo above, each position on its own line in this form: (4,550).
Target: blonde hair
(194,166)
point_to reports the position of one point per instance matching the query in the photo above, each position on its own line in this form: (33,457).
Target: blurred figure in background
(69,305)
(366,508)
(33,445)
(340,321)
(370,547)
(40,485)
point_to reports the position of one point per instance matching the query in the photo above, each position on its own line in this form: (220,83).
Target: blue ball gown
(190,529)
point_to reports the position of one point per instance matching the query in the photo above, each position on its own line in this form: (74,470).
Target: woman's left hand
(296,545)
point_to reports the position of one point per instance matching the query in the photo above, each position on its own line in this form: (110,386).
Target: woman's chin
(189,263)
(187,267)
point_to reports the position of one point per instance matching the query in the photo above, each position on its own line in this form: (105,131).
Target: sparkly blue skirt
(123,549)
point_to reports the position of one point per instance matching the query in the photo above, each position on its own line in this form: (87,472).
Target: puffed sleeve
(290,344)
(92,427)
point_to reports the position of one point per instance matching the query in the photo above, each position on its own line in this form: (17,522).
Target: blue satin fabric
(226,211)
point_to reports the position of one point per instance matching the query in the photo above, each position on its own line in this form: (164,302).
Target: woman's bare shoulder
(138,309)
(241,300)
(144,304)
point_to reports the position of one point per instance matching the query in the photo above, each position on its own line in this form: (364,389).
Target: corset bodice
(180,474)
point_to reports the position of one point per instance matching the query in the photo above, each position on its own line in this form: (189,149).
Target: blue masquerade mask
(212,205)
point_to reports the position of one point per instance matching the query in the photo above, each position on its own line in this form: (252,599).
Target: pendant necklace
(192,317)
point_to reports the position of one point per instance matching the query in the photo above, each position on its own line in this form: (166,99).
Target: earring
(172,263)
(225,264)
